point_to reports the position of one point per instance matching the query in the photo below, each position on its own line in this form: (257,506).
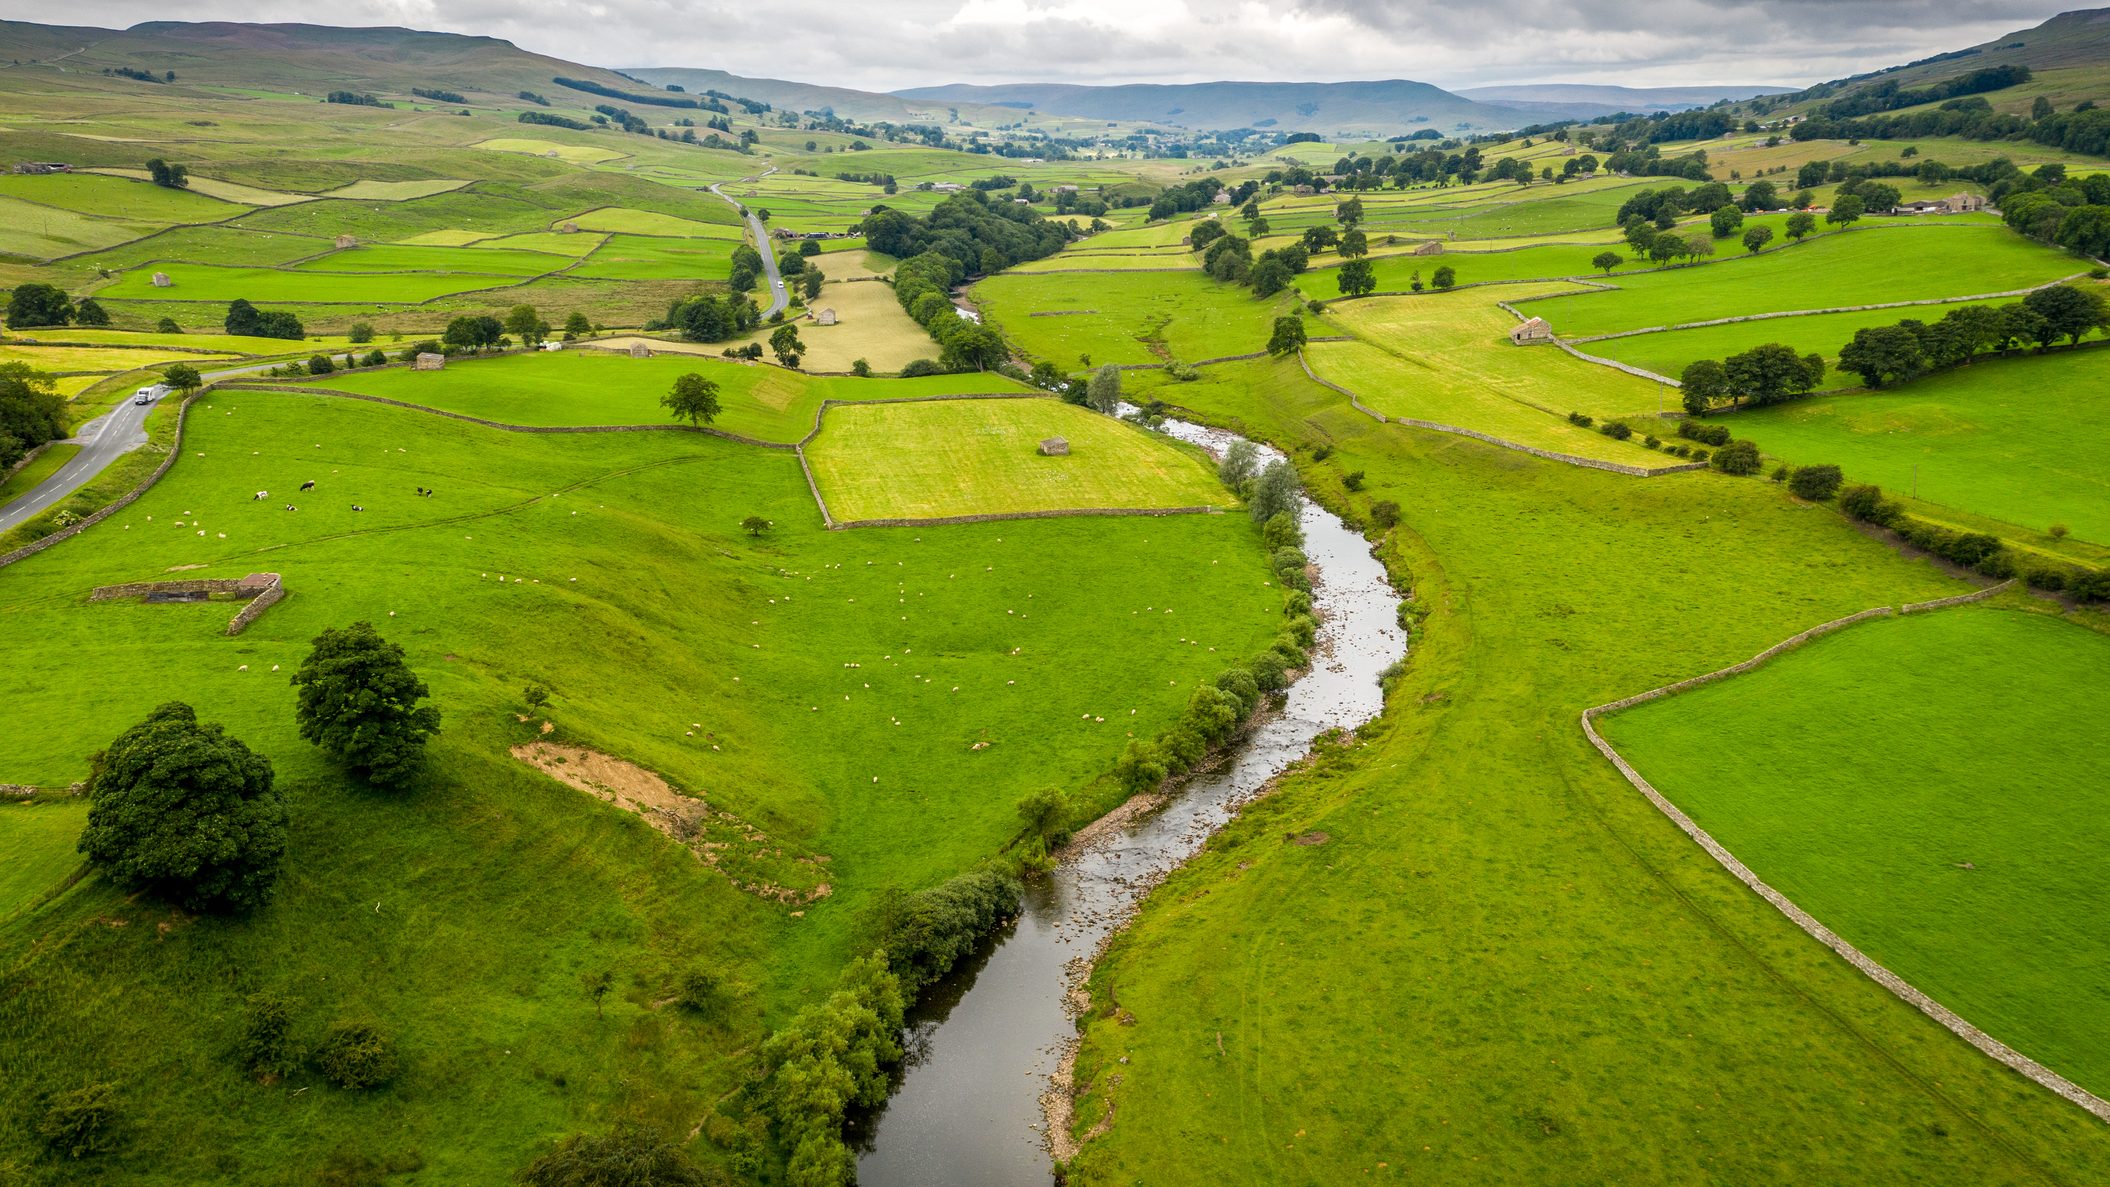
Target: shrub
(860,368)
(1652,441)
(921,367)
(2047,577)
(1269,672)
(320,365)
(1239,683)
(1275,493)
(80,1123)
(1142,764)
(266,1046)
(1384,513)
(1815,483)
(374,358)
(628,1157)
(1617,430)
(1321,452)
(923,934)
(1737,457)
(1282,531)
(360,334)
(1043,812)
(1698,455)
(1704,433)
(699,991)
(1353,480)
(1866,503)
(356,1055)
(2058,531)
(2090,585)
(1578,418)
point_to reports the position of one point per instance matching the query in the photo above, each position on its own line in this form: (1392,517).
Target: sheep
(310,483)
(260,496)
(357,507)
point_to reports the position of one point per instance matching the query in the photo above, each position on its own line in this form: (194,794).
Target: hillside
(1612,99)
(1372,108)
(802,96)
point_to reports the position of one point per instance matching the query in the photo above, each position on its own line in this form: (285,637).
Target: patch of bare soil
(743,853)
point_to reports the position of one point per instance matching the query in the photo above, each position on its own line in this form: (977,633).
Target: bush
(1652,441)
(1578,418)
(628,1157)
(1275,493)
(267,1047)
(1282,531)
(321,365)
(1737,457)
(1867,504)
(2090,585)
(1815,483)
(360,334)
(356,1055)
(1239,683)
(1698,455)
(923,934)
(699,991)
(1705,434)
(1384,514)
(2058,531)
(2052,578)
(1353,480)
(921,367)
(1617,430)
(80,1123)
(1270,673)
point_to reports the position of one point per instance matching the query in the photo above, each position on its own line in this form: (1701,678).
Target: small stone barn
(1532,332)
(1055,447)
(428,361)
(347,241)
(161,280)
(567,227)
(1963,203)
(825,317)
(1433,247)
(639,350)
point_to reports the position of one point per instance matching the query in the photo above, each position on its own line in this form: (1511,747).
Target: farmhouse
(1963,203)
(1532,332)
(428,361)
(1055,447)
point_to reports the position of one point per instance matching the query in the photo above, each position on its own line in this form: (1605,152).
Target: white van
(148,395)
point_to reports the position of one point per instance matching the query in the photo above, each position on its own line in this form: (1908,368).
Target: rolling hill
(1572,96)
(1375,109)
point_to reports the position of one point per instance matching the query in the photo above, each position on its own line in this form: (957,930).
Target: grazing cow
(308,485)
(357,507)
(291,507)
(260,496)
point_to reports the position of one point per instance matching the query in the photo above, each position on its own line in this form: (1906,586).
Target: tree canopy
(358,701)
(694,399)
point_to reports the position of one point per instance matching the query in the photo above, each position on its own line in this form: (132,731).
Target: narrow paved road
(102,440)
(778,298)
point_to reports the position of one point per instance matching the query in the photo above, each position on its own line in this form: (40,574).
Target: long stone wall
(264,591)
(1570,459)
(994,517)
(272,596)
(1876,972)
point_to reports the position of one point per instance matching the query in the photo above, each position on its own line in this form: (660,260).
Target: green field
(36,850)
(495,261)
(2023,440)
(1860,268)
(644,257)
(1668,352)
(589,387)
(647,222)
(1920,787)
(672,602)
(980,457)
(117,197)
(1126,319)
(206,282)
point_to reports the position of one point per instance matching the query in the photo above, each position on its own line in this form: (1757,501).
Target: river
(984,1042)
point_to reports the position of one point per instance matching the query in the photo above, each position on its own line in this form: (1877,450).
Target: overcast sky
(888,44)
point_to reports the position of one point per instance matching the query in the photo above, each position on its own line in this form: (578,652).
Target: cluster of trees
(1186,198)
(356,99)
(179,809)
(661,99)
(1400,168)
(169,176)
(32,413)
(250,322)
(711,318)
(552,120)
(2083,129)
(34,304)
(982,237)
(923,284)
(1768,374)
(1889,96)
(1883,355)
(439,96)
(2050,207)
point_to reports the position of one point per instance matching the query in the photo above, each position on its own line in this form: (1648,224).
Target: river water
(984,1042)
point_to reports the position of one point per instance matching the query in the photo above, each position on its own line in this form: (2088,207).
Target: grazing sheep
(260,496)
(357,507)
(310,483)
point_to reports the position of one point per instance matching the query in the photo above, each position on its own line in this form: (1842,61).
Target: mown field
(980,457)
(592,387)
(1125,319)
(430,911)
(1491,896)
(2022,440)
(1860,268)
(1919,785)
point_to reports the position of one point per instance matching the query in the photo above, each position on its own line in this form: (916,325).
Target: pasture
(645,257)
(676,617)
(1920,786)
(1145,318)
(1914,262)
(1667,352)
(980,457)
(577,387)
(2023,440)
(870,325)
(210,282)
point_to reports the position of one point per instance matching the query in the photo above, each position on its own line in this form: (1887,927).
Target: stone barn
(825,317)
(347,241)
(1532,332)
(1055,447)
(639,350)
(428,361)
(1433,247)
(161,280)
(567,227)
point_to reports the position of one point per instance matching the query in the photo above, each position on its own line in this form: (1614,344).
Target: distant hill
(2071,39)
(1375,109)
(1614,99)
(800,96)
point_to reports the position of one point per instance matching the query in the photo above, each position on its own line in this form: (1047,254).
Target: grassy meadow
(981,457)
(1144,318)
(1919,785)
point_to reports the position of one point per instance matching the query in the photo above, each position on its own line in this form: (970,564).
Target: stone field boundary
(1897,985)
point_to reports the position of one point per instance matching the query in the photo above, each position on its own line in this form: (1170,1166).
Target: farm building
(42,167)
(428,361)
(1433,247)
(567,227)
(1055,447)
(1963,203)
(1532,332)
(825,317)
(639,350)
(347,241)
(161,280)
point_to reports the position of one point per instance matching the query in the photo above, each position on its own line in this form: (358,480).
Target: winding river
(984,1043)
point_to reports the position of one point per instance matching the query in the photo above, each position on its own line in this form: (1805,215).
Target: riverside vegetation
(587,802)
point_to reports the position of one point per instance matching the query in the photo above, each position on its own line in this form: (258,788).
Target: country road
(102,441)
(778,298)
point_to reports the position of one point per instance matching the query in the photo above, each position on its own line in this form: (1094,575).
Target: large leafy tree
(1104,391)
(1882,354)
(38,304)
(180,809)
(2067,311)
(1704,383)
(31,411)
(1288,337)
(1356,277)
(694,399)
(358,701)
(1772,373)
